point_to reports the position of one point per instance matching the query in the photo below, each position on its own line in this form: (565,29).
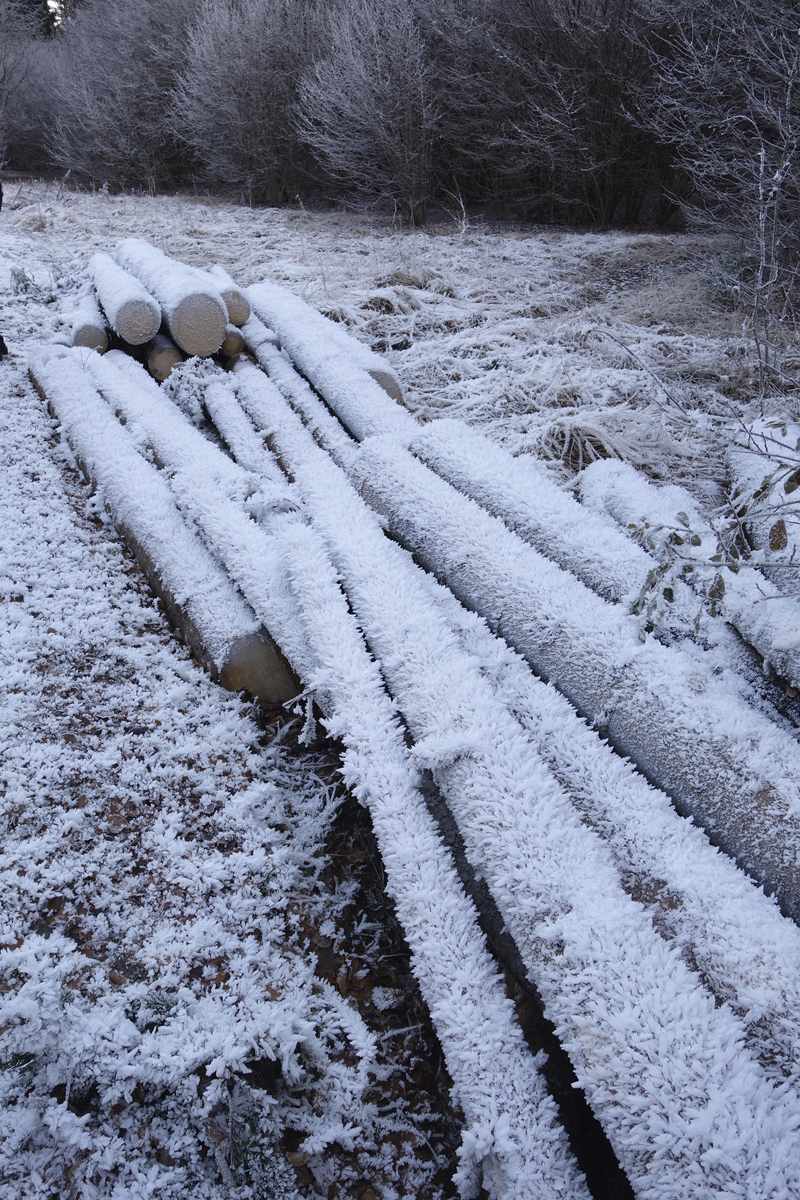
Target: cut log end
(237,304)
(254,665)
(161,356)
(198,325)
(138,321)
(389,382)
(234,344)
(91,335)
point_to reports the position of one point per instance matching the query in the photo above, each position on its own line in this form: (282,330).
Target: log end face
(198,324)
(389,382)
(138,321)
(233,345)
(237,304)
(254,665)
(91,336)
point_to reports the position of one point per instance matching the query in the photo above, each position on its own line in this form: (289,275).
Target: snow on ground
(158,873)
(161,871)
(516,329)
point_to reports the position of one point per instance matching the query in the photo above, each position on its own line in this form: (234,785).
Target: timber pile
(278,535)
(160,309)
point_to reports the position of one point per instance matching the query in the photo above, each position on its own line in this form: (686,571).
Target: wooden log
(160,356)
(132,312)
(206,609)
(236,302)
(89,325)
(315,342)
(193,308)
(234,343)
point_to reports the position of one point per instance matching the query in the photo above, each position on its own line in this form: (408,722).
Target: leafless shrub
(115,67)
(369,108)
(17,33)
(234,101)
(726,97)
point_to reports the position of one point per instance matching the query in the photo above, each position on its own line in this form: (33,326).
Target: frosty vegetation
(599,112)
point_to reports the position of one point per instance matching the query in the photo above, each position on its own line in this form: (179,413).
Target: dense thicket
(590,110)
(594,111)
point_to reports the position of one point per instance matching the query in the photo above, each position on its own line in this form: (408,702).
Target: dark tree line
(591,111)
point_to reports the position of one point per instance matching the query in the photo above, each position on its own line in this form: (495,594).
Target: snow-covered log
(723,763)
(89,324)
(522,493)
(131,310)
(236,301)
(332,360)
(192,306)
(764,616)
(587,946)
(512,1143)
(699,897)
(161,356)
(202,603)
(233,344)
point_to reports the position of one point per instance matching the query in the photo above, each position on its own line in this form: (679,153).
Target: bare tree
(369,109)
(235,98)
(727,98)
(115,69)
(18,28)
(576,65)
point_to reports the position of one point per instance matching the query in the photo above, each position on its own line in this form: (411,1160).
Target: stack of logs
(159,310)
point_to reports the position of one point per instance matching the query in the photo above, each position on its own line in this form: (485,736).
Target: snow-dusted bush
(235,97)
(369,109)
(726,98)
(17,30)
(115,67)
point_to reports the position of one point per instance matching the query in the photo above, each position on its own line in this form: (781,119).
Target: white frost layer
(513,1135)
(117,290)
(140,501)
(521,492)
(700,898)
(337,365)
(648,1043)
(173,284)
(727,765)
(765,617)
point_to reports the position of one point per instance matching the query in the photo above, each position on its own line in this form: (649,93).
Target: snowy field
(167,885)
